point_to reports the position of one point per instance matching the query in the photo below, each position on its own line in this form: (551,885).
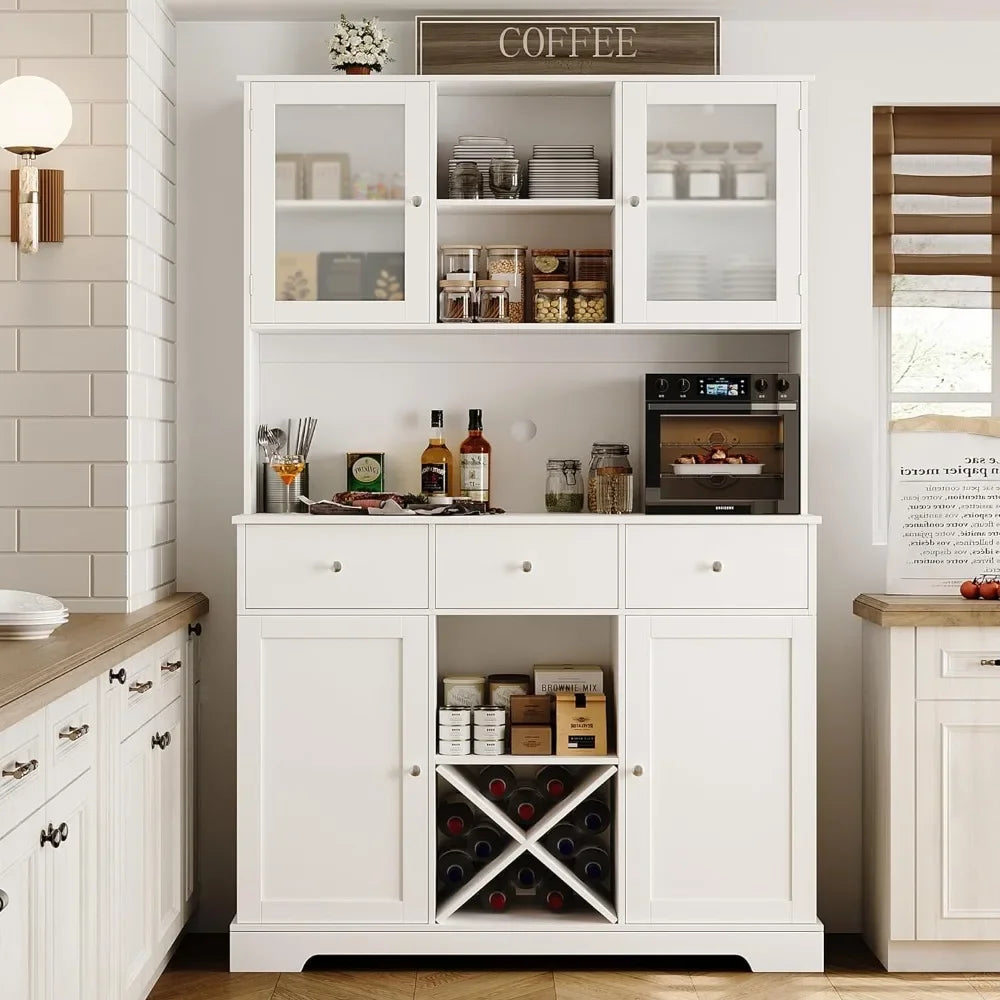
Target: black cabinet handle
(194,629)
(117,675)
(55,835)
(161,741)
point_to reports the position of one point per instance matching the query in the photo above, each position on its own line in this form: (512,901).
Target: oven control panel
(722,388)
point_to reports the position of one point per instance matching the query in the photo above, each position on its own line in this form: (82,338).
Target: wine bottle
(527,876)
(563,841)
(474,463)
(593,815)
(559,900)
(484,842)
(494,898)
(554,782)
(437,464)
(496,782)
(454,817)
(455,867)
(593,864)
(525,805)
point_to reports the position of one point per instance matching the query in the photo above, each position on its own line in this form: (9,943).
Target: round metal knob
(194,629)
(54,835)
(417,201)
(117,675)
(415,770)
(717,566)
(4,901)
(526,566)
(634,201)
(337,566)
(161,741)
(637,770)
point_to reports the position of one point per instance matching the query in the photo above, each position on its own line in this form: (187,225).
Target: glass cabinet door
(340,202)
(711,186)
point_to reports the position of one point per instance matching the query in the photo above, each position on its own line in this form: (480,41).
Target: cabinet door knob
(194,629)
(989,663)
(73,733)
(4,901)
(161,741)
(634,201)
(415,770)
(526,566)
(417,201)
(637,770)
(170,666)
(54,835)
(117,675)
(337,566)
(140,687)
(717,566)
(19,770)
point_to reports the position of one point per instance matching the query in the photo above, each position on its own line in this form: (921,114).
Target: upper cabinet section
(340,202)
(711,214)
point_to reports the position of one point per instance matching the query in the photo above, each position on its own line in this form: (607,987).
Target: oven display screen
(720,388)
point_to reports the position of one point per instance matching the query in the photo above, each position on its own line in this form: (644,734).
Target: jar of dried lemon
(550,263)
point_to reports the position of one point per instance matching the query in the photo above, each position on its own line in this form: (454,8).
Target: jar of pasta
(590,302)
(494,302)
(609,485)
(506,262)
(551,300)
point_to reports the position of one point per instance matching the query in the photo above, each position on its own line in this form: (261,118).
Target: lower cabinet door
(958,816)
(168,746)
(22,924)
(720,770)
(71,898)
(332,769)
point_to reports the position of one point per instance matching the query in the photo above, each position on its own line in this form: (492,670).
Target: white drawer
(22,770)
(70,737)
(171,660)
(527,566)
(336,566)
(960,663)
(138,696)
(717,567)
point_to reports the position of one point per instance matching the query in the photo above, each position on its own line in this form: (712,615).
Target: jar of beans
(551,300)
(456,302)
(590,302)
(609,484)
(550,264)
(506,262)
(494,302)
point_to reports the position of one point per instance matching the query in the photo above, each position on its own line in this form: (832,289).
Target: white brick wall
(87,328)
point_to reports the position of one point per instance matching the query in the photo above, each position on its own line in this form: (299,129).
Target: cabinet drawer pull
(170,666)
(161,741)
(989,663)
(55,835)
(73,733)
(19,770)
(526,566)
(117,675)
(717,566)
(337,566)
(140,687)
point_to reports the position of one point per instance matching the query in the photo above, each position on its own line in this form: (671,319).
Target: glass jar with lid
(494,302)
(590,302)
(609,483)
(460,261)
(550,263)
(661,179)
(749,173)
(682,151)
(506,262)
(466,180)
(456,301)
(705,178)
(592,265)
(563,486)
(551,300)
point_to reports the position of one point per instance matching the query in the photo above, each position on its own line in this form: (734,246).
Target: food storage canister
(592,265)
(563,486)
(454,732)
(464,690)
(550,263)
(661,178)
(489,715)
(704,178)
(454,716)
(506,262)
(459,261)
(749,174)
(502,686)
(609,483)
(466,181)
(454,748)
(488,748)
(494,302)
(551,301)
(456,303)
(489,732)
(590,302)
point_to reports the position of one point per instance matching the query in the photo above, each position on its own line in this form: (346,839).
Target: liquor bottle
(525,805)
(455,867)
(494,898)
(437,464)
(563,841)
(554,782)
(526,877)
(496,782)
(594,816)
(474,463)
(593,864)
(484,842)
(454,817)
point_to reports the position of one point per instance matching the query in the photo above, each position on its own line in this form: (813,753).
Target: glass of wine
(287,468)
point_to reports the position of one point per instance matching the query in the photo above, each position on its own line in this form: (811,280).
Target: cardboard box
(581,725)
(551,678)
(531,710)
(526,740)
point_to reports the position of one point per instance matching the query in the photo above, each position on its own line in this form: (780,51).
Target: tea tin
(365,471)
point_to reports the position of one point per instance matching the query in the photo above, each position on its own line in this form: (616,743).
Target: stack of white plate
(480,149)
(746,279)
(678,275)
(29,616)
(563,171)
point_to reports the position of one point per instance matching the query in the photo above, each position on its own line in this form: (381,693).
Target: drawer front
(717,567)
(527,566)
(22,770)
(959,663)
(139,696)
(172,665)
(70,737)
(383,566)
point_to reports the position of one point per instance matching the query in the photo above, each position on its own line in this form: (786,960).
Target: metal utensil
(262,440)
(278,440)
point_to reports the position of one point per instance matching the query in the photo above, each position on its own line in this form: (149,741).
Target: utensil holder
(276,498)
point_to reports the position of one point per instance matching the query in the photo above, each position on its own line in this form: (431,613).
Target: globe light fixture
(35,118)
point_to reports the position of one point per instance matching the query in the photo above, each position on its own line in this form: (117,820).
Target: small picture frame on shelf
(327,176)
(296,277)
(288,176)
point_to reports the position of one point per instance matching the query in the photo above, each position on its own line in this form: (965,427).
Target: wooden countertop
(888,610)
(33,673)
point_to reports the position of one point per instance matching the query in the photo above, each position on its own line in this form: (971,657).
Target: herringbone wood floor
(198,972)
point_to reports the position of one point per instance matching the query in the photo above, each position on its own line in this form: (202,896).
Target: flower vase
(358,70)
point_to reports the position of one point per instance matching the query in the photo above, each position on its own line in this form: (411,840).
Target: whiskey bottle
(437,464)
(474,463)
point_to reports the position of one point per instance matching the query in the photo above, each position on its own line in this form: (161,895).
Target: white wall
(857,65)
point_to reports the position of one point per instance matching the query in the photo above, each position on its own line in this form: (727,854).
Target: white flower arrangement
(359,43)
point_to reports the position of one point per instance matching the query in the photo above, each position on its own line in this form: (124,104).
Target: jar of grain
(506,262)
(550,263)
(609,484)
(456,302)
(551,300)
(563,486)
(494,302)
(590,302)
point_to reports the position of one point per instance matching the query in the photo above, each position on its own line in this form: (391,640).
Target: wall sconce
(35,117)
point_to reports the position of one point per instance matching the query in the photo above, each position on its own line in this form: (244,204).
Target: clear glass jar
(506,178)
(590,302)
(456,302)
(550,263)
(551,300)
(661,179)
(506,262)
(466,180)
(682,153)
(592,265)
(563,486)
(704,178)
(609,484)
(494,302)
(749,174)
(460,261)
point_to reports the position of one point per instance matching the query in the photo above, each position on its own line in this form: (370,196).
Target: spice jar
(460,261)
(592,265)
(456,301)
(550,263)
(551,300)
(749,174)
(563,486)
(704,178)
(590,302)
(506,262)
(661,179)
(494,302)
(609,485)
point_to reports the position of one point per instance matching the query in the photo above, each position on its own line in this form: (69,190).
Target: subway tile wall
(87,328)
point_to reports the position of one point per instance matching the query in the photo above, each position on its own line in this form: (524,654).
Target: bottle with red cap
(484,842)
(559,900)
(554,782)
(526,805)
(494,898)
(454,817)
(496,782)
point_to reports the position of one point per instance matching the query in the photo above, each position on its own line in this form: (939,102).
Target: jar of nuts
(494,302)
(506,262)
(551,300)
(590,302)
(456,302)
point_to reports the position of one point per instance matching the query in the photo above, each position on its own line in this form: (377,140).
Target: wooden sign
(594,45)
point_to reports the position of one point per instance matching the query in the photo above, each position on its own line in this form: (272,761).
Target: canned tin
(446,733)
(490,732)
(454,748)
(454,716)
(366,471)
(489,715)
(488,748)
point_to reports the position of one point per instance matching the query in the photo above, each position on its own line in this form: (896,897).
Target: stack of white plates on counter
(743,278)
(29,616)
(680,275)
(563,171)
(480,149)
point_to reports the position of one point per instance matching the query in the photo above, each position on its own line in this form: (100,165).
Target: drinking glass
(288,468)
(506,178)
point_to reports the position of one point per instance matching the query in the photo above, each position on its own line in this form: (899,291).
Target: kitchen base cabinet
(23,957)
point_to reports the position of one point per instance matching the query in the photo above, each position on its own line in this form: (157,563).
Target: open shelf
(524,206)
(694,204)
(337,205)
(539,760)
